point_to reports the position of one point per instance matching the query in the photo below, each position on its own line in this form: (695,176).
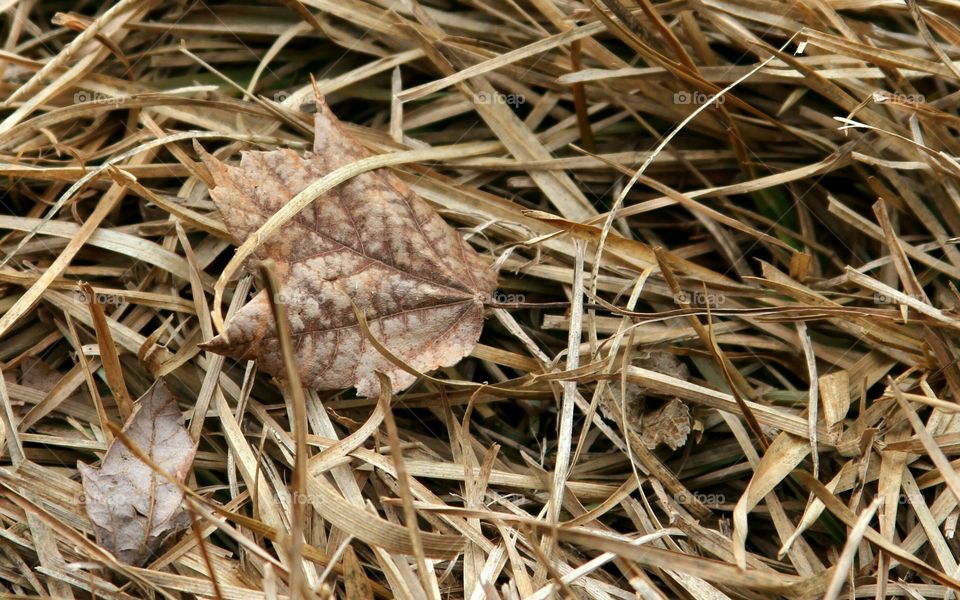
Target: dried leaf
(132,508)
(38,374)
(668,425)
(370,242)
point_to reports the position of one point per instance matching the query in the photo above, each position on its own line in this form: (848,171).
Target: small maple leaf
(370,243)
(132,508)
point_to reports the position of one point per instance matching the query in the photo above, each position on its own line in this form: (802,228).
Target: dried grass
(749,206)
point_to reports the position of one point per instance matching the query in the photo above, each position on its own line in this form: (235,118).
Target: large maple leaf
(370,242)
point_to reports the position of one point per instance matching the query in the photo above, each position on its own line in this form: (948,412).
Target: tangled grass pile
(721,360)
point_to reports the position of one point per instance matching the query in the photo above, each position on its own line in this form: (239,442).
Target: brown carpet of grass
(723,352)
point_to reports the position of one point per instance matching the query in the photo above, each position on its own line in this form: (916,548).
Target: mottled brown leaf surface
(654,422)
(669,424)
(371,242)
(133,510)
(38,374)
